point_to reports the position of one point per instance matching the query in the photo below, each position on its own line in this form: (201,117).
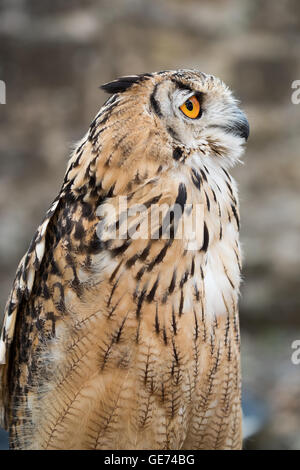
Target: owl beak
(241,126)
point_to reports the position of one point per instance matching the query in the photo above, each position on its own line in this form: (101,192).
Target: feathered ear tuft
(123,83)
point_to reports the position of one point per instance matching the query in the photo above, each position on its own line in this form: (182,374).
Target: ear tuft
(123,83)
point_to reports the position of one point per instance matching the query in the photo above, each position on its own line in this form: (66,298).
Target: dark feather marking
(154,103)
(146,368)
(159,258)
(227,328)
(184,279)
(177,153)
(227,174)
(52,317)
(165,338)
(87,210)
(173,282)
(181,85)
(196,178)
(117,334)
(174,324)
(131,261)
(107,352)
(112,292)
(203,175)
(152,201)
(193,267)
(220,213)
(121,249)
(137,335)
(229,187)
(197,294)
(115,271)
(113,309)
(140,273)
(175,352)
(196,326)
(95,246)
(238,260)
(181,303)
(93,136)
(157,327)
(60,305)
(173,133)
(79,230)
(181,196)
(229,280)
(236,216)
(140,302)
(162,392)
(214,195)
(110,193)
(54,268)
(151,294)
(123,83)
(205,238)
(207,202)
(45,291)
(80,148)
(229,353)
(145,252)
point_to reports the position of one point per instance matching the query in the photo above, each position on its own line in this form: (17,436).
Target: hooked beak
(240,126)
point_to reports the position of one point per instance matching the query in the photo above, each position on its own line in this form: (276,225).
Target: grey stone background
(53,56)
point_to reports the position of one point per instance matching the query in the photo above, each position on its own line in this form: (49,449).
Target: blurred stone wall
(55,53)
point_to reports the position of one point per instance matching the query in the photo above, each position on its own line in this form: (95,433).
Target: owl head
(177,114)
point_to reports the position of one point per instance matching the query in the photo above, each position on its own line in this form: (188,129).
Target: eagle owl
(115,341)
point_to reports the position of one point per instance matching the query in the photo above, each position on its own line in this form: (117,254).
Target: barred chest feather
(211,188)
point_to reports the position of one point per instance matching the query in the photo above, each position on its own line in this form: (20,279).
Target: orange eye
(191,108)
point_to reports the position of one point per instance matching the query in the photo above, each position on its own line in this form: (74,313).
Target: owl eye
(191,108)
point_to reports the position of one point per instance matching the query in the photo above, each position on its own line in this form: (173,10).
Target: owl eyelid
(186,98)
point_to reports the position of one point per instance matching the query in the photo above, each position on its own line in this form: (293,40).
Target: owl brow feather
(181,85)
(123,83)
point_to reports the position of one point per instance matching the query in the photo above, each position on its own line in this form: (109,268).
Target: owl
(121,330)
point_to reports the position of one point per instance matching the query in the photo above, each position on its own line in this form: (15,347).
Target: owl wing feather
(20,293)
(27,270)
(31,262)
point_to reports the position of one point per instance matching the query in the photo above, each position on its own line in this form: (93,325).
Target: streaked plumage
(133,344)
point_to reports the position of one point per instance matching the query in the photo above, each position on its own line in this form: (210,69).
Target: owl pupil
(189,105)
